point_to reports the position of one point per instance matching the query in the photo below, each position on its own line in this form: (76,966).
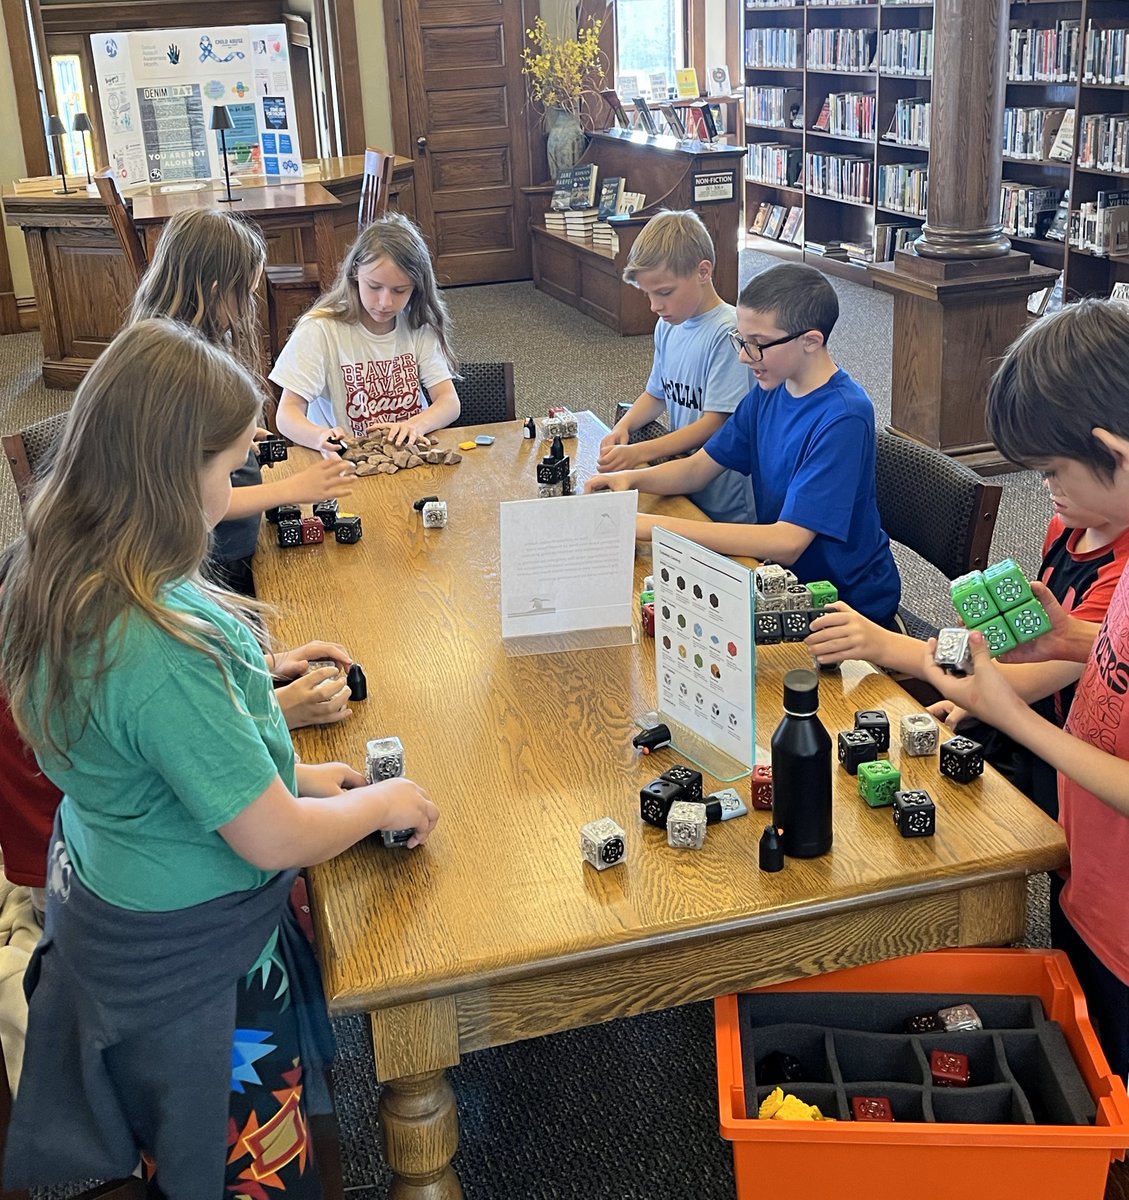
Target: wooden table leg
(419,1127)
(325,246)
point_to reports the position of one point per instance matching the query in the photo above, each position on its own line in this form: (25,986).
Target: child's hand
(619,456)
(614,437)
(262,434)
(403,433)
(326,479)
(607,483)
(1068,640)
(841,633)
(292,664)
(408,806)
(949,714)
(327,779)
(328,441)
(984,693)
(319,698)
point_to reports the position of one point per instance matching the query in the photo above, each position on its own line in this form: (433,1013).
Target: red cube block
(649,620)
(948,1068)
(313,531)
(871,1108)
(762,787)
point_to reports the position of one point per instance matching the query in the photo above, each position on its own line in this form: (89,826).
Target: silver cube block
(799,597)
(771,580)
(953,653)
(544,490)
(435,514)
(960,1018)
(686,825)
(777,603)
(919,735)
(384,759)
(317,664)
(603,843)
(732,805)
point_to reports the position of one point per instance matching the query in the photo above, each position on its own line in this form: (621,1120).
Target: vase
(566,140)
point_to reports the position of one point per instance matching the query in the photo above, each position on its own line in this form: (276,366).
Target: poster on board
(157,89)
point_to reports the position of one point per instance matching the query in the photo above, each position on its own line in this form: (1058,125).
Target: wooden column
(960,291)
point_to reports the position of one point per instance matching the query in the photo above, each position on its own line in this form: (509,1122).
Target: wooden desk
(496,930)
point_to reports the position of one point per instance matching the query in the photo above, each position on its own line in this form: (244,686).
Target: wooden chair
(376,185)
(645,433)
(937,507)
(29,451)
(122,220)
(486,393)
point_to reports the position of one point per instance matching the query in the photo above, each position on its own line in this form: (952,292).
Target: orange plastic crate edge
(1045,973)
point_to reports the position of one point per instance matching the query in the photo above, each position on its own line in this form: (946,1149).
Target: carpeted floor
(624,1110)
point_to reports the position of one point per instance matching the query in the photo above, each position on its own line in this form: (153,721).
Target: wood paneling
(491,167)
(480,232)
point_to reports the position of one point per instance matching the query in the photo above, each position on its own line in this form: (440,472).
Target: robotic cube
(959,1018)
(1007,584)
(319,664)
(686,825)
(1028,621)
(998,634)
(915,815)
(347,528)
(326,512)
(856,746)
(962,759)
(768,628)
(729,802)
(271,450)
(948,1068)
(877,724)
(289,533)
(822,593)
(313,531)
(283,512)
(879,782)
(799,597)
(871,1108)
(435,514)
(649,620)
(924,1022)
(919,735)
(972,599)
(761,787)
(384,759)
(603,843)
(553,470)
(771,580)
(795,626)
(545,490)
(657,799)
(953,654)
(689,780)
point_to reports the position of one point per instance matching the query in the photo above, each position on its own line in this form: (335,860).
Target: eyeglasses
(755,350)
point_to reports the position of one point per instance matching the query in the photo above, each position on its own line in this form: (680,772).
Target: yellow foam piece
(776,1106)
(467,445)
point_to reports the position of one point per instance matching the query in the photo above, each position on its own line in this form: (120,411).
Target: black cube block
(962,759)
(856,746)
(875,722)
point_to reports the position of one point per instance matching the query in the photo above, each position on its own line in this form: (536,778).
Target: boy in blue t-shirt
(805,437)
(695,376)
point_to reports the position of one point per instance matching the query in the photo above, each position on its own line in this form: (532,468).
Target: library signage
(711,186)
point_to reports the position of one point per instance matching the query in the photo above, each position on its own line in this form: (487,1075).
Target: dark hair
(1061,378)
(798,296)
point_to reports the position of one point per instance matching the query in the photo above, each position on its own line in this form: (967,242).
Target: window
(70,92)
(650,39)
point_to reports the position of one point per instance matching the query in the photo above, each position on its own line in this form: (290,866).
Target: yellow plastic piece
(776,1106)
(467,445)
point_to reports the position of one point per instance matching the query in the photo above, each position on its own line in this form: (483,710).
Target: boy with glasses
(694,377)
(805,437)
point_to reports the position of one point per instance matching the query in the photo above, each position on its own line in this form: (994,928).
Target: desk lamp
(221,120)
(82,126)
(56,129)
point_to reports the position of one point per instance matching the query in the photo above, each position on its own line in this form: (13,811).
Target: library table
(496,930)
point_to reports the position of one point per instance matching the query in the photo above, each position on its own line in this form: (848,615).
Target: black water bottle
(801,770)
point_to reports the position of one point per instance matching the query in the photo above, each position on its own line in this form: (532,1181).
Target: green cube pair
(999,603)
(878,781)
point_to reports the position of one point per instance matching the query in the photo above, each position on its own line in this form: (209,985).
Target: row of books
(1103,141)
(1027,210)
(1034,133)
(774,107)
(1106,54)
(909,125)
(574,188)
(772,48)
(905,52)
(840,49)
(839,176)
(581,222)
(780,222)
(887,239)
(1102,226)
(775,163)
(903,187)
(849,114)
(1047,55)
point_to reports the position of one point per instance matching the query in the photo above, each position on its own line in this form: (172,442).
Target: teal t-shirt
(168,755)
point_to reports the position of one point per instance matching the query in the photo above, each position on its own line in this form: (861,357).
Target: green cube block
(972,599)
(878,781)
(647,597)
(1028,621)
(822,593)
(998,634)
(1007,584)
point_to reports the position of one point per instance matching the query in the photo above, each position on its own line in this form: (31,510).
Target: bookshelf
(884,160)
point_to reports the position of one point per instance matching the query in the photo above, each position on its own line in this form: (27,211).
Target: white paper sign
(705,656)
(568,563)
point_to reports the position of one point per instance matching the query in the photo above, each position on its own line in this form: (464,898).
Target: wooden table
(496,930)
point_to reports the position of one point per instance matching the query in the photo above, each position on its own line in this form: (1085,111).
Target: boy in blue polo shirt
(805,437)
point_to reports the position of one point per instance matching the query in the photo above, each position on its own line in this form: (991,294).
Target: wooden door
(467,126)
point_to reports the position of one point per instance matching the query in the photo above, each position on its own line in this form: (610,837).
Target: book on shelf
(686,80)
(579,223)
(1031,132)
(562,190)
(659,87)
(1027,210)
(718,83)
(615,104)
(1120,292)
(792,224)
(833,250)
(583,186)
(673,121)
(859,253)
(628,85)
(643,114)
(631,203)
(1062,148)
(611,193)
(775,222)
(709,125)
(1060,222)
(555,221)
(1058,295)
(1102,231)
(604,237)
(823,121)
(761,217)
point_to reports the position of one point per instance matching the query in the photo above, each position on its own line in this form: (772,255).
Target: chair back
(29,452)
(486,393)
(376,184)
(645,433)
(122,221)
(937,507)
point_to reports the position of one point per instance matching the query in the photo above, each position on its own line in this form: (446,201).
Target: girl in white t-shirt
(362,355)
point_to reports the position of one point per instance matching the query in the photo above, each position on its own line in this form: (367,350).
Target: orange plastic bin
(846,1160)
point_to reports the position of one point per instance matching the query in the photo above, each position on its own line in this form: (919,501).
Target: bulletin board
(157,89)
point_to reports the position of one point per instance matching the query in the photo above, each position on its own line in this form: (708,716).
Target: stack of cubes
(998,602)
(785,608)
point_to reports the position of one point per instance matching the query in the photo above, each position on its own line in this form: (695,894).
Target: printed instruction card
(705,656)
(568,564)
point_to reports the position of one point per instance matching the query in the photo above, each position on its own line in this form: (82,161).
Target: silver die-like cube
(686,825)
(959,1018)
(953,653)
(384,759)
(545,490)
(771,580)
(919,735)
(435,514)
(603,843)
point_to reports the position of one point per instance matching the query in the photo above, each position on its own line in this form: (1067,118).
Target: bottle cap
(801,693)
(771,855)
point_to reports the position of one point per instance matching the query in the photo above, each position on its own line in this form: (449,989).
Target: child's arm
(294,424)
(443,409)
(841,633)
(279,830)
(319,698)
(679,441)
(326,479)
(646,408)
(987,694)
